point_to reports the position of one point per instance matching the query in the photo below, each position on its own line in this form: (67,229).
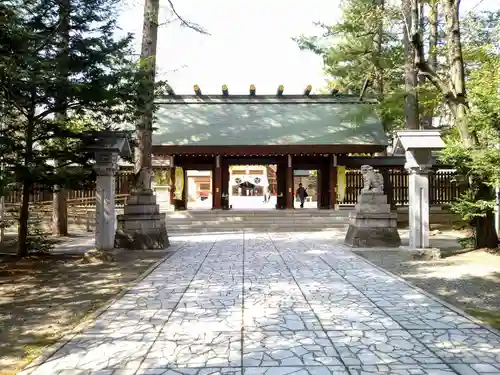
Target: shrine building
(219,133)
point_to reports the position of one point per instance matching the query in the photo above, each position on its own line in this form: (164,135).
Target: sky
(250,43)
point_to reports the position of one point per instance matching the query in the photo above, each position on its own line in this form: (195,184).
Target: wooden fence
(123,182)
(442,188)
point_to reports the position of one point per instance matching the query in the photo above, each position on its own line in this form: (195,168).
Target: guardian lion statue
(142,180)
(372,181)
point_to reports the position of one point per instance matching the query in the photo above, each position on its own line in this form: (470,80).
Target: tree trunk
(378,76)
(454,94)
(24,212)
(411,97)
(432,54)
(60,211)
(144,129)
(457,71)
(421,30)
(433,34)
(60,200)
(486,236)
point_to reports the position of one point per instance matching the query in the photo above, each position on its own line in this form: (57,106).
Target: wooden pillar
(388,186)
(324,181)
(179,204)
(281,184)
(217,183)
(184,204)
(318,186)
(333,181)
(172,185)
(289,182)
(172,181)
(224,184)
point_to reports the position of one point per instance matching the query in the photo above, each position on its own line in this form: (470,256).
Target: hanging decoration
(179,183)
(341,183)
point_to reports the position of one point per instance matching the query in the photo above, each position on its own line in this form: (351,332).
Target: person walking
(302,194)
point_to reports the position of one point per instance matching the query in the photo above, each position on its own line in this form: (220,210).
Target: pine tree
(98,86)
(365,44)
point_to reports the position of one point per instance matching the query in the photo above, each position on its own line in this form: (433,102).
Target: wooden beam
(217,183)
(265,150)
(289,182)
(379,161)
(333,181)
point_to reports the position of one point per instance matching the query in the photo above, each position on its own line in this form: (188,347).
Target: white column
(418,209)
(106,167)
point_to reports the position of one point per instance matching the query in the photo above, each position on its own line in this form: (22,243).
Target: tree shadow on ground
(43,296)
(469,280)
(221,284)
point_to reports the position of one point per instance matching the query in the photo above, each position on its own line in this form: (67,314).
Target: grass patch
(445,253)
(488,316)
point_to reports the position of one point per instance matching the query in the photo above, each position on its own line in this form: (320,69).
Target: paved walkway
(273,305)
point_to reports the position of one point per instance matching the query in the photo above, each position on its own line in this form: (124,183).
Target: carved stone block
(372,224)
(142,226)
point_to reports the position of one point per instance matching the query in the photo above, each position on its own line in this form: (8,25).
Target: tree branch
(426,70)
(187,24)
(8,94)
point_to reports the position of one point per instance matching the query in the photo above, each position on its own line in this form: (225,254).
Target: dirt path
(43,297)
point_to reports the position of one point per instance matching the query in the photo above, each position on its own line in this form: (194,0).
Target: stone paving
(275,304)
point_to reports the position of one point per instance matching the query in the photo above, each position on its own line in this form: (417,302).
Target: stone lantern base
(372,223)
(142,226)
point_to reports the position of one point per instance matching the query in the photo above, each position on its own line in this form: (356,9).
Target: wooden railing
(79,210)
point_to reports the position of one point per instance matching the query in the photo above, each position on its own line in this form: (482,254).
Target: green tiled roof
(266,121)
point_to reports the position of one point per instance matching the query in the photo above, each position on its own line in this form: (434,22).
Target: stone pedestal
(372,224)
(162,194)
(142,226)
(106,167)
(418,207)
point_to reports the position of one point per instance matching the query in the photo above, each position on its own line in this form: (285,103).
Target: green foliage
(57,84)
(479,165)
(162,178)
(35,138)
(350,55)
(466,242)
(350,52)
(37,239)
(470,208)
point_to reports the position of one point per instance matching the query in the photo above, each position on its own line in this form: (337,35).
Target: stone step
(257,214)
(243,225)
(218,221)
(257,220)
(177,231)
(297,226)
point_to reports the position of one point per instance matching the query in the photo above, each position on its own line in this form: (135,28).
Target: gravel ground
(470,280)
